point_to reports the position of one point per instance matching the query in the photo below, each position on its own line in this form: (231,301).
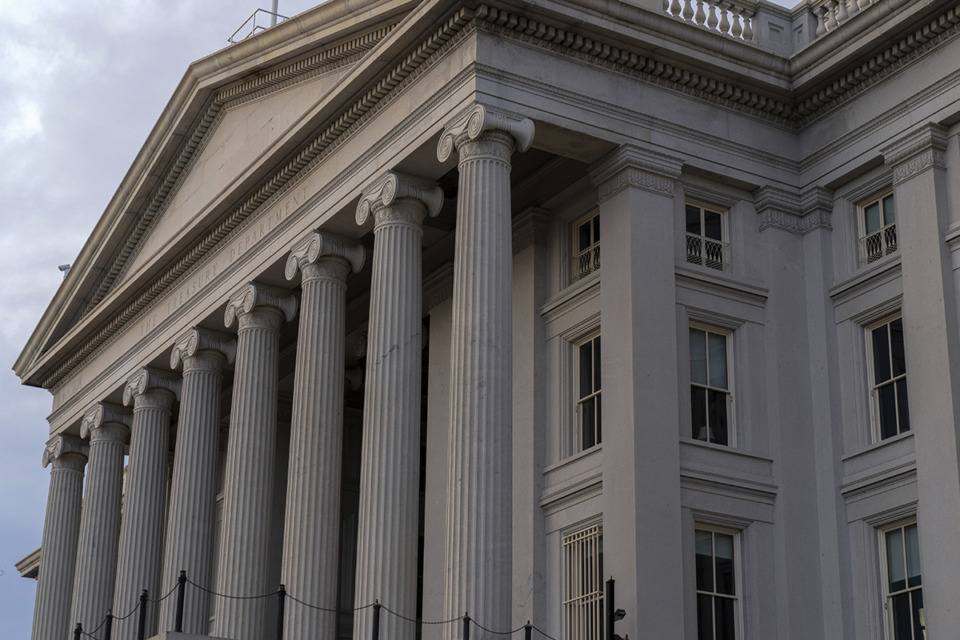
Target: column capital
(921,148)
(197,340)
(316,245)
(66,450)
(631,166)
(253,296)
(140,384)
(106,421)
(392,188)
(480,119)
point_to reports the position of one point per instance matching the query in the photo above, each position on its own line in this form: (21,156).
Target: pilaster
(244,554)
(66,456)
(312,517)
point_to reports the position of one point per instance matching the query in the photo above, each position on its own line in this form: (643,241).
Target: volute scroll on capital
(196,340)
(392,187)
(317,244)
(253,295)
(480,119)
(105,420)
(64,447)
(147,379)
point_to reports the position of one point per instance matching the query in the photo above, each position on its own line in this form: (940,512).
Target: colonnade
(96,562)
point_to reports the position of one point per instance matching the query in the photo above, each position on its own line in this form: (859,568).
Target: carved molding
(110,420)
(316,245)
(392,188)
(792,210)
(479,119)
(531,227)
(67,449)
(631,166)
(252,296)
(196,340)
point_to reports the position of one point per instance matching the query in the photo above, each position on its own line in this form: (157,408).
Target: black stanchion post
(181,587)
(281,603)
(527,631)
(142,624)
(609,607)
(466,626)
(77,631)
(376,620)
(108,628)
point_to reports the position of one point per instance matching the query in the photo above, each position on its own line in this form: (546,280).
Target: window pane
(889,214)
(698,356)
(901,617)
(871,218)
(712,223)
(588,425)
(887,406)
(717,416)
(698,412)
(693,220)
(723,549)
(704,547)
(896,573)
(586,369)
(913,556)
(717,345)
(724,618)
(704,617)
(881,355)
(896,347)
(583,236)
(596,363)
(903,409)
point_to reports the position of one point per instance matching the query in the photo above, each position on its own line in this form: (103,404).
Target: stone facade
(663,291)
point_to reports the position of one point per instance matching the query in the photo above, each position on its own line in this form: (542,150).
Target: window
(710,397)
(878,229)
(717,605)
(586,243)
(583,584)
(705,233)
(587,432)
(889,378)
(904,599)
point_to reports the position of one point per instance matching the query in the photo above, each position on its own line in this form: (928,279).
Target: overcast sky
(82,84)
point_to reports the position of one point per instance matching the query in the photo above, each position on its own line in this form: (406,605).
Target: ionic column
(248,484)
(139,555)
(191,519)
(390,467)
(312,518)
(61,526)
(479,502)
(107,426)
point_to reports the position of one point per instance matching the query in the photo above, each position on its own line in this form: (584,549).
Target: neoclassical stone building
(348,321)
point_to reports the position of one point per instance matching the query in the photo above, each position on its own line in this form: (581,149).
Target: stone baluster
(140,551)
(107,426)
(61,527)
(311,532)
(390,468)
(191,520)
(478,562)
(248,484)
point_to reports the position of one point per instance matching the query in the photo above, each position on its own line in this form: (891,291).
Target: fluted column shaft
(61,526)
(100,517)
(390,457)
(478,554)
(140,549)
(191,520)
(312,518)
(248,486)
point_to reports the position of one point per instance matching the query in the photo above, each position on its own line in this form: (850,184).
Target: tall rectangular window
(589,414)
(706,244)
(878,229)
(890,378)
(717,602)
(903,583)
(709,386)
(583,584)
(586,243)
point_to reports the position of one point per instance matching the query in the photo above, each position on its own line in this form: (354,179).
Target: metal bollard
(376,620)
(181,587)
(108,629)
(142,624)
(466,626)
(281,600)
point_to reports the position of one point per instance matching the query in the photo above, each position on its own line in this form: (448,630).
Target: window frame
(724,264)
(574,439)
(883,233)
(887,595)
(876,414)
(580,627)
(577,271)
(738,588)
(727,333)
